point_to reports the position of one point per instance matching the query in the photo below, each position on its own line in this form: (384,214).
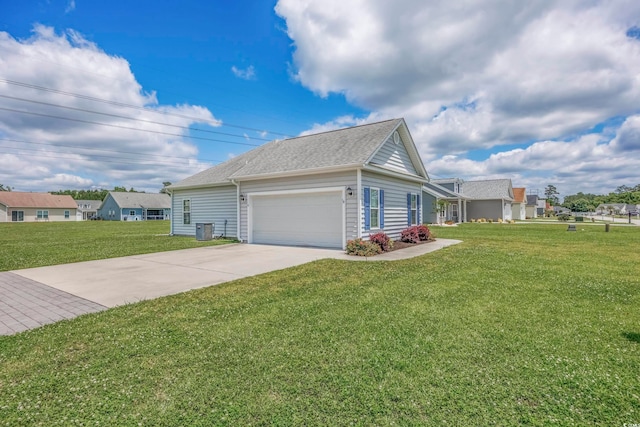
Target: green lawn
(25,245)
(518,325)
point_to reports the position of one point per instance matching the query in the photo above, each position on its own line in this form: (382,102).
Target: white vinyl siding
(394,156)
(395,201)
(208,205)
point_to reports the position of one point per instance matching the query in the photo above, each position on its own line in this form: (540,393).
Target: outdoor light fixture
(242,198)
(349,192)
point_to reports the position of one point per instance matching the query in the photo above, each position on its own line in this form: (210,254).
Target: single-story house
(561,210)
(18,206)
(533,209)
(125,206)
(315,190)
(490,199)
(442,201)
(616,208)
(519,205)
(88,209)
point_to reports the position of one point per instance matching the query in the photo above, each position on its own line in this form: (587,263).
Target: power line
(120,161)
(130,118)
(126,127)
(106,150)
(136,107)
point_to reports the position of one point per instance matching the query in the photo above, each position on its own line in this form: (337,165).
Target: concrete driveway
(118,281)
(37,296)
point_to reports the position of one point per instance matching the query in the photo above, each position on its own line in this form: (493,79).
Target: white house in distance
(316,190)
(16,206)
(88,209)
(519,205)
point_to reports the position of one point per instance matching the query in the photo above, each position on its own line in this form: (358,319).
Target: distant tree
(94,194)
(580,205)
(164,187)
(623,189)
(120,189)
(552,194)
(3,188)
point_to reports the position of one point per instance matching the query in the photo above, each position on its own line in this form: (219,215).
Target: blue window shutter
(418,209)
(408,209)
(381,208)
(367,208)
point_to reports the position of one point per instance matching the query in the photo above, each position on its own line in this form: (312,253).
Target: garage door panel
(307,219)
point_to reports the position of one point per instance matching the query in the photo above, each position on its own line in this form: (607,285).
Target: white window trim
(371,226)
(184,212)
(414,198)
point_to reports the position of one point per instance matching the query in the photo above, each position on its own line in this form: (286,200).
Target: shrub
(361,247)
(563,217)
(382,240)
(415,234)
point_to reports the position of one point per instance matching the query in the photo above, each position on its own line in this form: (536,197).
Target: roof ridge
(333,130)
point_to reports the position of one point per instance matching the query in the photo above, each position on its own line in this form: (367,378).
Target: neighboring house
(442,201)
(519,205)
(87,209)
(532,206)
(316,190)
(561,210)
(125,206)
(490,199)
(615,208)
(17,206)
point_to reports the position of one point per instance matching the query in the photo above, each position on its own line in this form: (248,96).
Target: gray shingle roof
(91,204)
(532,199)
(343,147)
(141,200)
(441,192)
(488,189)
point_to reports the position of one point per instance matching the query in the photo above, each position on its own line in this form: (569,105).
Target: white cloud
(43,151)
(248,73)
(71,6)
(476,75)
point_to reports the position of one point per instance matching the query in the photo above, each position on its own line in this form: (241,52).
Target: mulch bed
(397,244)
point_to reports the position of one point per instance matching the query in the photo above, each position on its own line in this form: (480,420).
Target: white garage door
(301,219)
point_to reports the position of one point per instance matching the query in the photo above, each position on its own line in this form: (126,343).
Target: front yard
(26,245)
(518,325)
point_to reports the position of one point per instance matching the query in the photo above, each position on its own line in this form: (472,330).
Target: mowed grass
(518,325)
(26,245)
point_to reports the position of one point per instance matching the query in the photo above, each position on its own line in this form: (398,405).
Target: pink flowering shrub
(415,234)
(382,240)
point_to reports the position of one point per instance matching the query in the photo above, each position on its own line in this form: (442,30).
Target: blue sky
(543,94)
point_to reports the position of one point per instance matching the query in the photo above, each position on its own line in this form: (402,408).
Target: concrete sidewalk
(118,281)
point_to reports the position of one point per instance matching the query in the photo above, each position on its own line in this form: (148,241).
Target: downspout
(233,181)
(358,200)
(172,210)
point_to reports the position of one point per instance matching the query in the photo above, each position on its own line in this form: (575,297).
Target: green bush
(361,247)
(563,217)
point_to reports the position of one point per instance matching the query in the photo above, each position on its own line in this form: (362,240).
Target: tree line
(586,202)
(91,194)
